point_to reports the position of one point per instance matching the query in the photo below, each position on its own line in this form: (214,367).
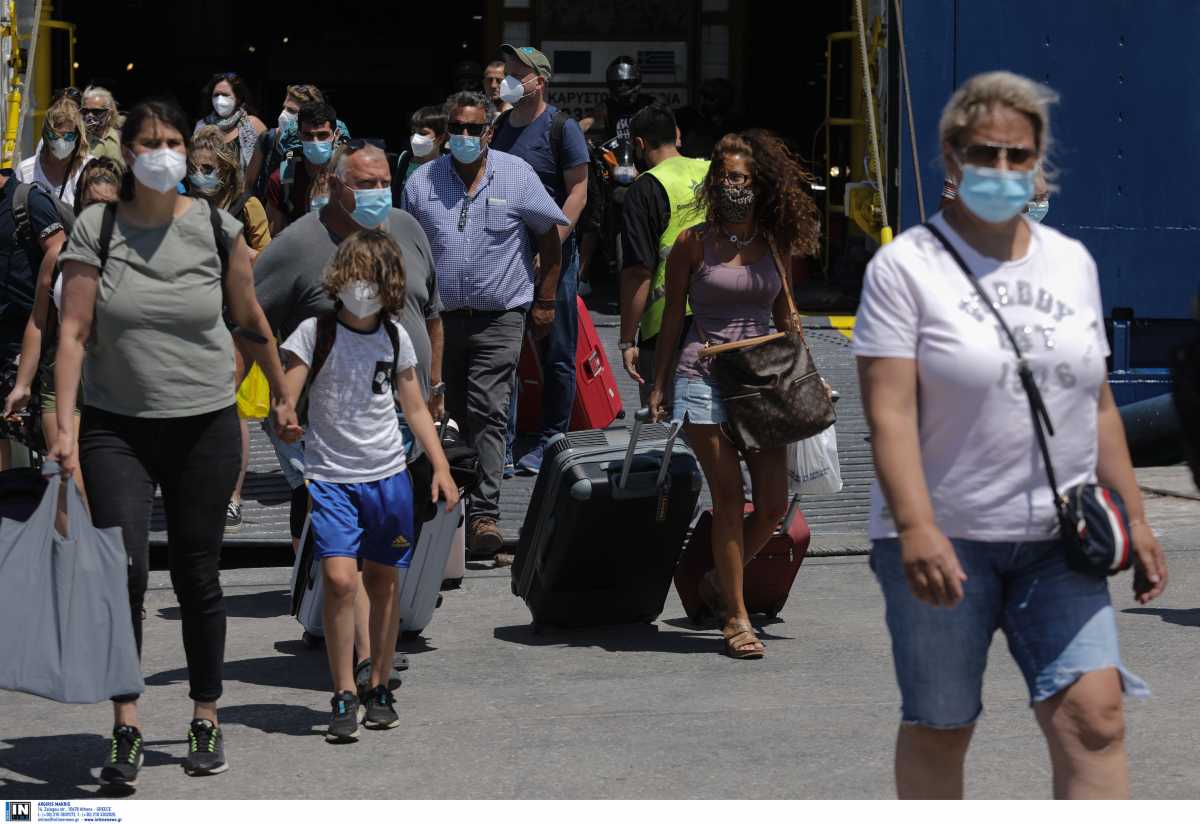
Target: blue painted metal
(1125,132)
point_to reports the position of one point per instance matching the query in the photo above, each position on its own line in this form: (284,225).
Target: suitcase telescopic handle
(640,418)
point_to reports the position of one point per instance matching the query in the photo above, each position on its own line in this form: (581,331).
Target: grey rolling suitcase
(606,525)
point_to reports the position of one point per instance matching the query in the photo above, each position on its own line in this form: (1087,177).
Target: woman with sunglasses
(101,118)
(62,154)
(963,522)
(757,211)
(229,98)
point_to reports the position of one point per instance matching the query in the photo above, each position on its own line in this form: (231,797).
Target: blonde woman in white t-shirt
(963,524)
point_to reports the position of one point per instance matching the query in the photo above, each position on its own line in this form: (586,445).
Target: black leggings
(195,460)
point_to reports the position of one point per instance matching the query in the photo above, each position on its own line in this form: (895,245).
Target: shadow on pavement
(64,766)
(624,638)
(1180,617)
(302,670)
(275,719)
(271,604)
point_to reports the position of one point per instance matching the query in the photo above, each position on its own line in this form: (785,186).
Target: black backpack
(592,212)
(23,223)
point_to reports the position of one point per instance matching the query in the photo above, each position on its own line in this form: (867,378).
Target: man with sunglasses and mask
(479,206)
(100,116)
(288,280)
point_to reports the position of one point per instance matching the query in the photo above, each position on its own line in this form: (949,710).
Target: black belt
(468,312)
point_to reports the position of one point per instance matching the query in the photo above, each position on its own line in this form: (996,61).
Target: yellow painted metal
(12,103)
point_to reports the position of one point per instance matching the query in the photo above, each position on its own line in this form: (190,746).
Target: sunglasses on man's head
(989,154)
(363,142)
(472,129)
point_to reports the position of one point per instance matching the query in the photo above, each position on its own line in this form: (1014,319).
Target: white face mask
(286,119)
(61,148)
(161,169)
(360,298)
(421,144)
(223,104)
(511,90)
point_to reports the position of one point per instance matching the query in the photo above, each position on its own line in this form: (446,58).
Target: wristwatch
(625,344)
(438,389)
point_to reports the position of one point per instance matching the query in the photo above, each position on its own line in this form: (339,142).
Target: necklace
(742,244)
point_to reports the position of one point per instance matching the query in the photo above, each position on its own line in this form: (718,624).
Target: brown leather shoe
(485,537)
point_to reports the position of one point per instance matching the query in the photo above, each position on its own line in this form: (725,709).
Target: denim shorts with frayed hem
(696,401)
(1059,624)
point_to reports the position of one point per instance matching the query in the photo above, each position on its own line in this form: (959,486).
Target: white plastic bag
(813,466)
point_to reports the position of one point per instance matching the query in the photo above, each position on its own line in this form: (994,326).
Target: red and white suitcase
(597,399)
(766,581)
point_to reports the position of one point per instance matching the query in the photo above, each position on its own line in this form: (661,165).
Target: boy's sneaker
(206,749)
(124,757)
(343,725)
(531,461)
(379,714)
(362,675)
(233,517)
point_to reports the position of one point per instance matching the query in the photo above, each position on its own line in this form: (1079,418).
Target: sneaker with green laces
(206,749)
(124,757)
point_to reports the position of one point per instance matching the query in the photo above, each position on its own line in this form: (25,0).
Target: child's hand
(444,488)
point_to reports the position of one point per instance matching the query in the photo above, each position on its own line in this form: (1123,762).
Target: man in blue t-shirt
(527,131)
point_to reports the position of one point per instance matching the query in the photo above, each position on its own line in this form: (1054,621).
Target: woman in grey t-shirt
(145,283)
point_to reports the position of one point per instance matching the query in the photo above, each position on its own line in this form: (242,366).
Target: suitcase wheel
(438,603)
(311,641)
(410,634)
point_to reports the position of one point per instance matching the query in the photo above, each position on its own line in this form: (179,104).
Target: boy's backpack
(327,334)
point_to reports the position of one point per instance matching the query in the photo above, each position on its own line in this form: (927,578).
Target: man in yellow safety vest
(658,206)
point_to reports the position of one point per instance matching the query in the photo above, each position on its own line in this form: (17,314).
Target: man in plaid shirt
(483,212)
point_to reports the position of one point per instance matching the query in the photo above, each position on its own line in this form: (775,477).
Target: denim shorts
(696,401)
(1059,624)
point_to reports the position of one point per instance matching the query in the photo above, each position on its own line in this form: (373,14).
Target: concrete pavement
(491,710)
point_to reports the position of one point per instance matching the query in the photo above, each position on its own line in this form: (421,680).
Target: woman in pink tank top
(755,199)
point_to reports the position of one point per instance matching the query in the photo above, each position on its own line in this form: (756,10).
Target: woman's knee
(1092,720)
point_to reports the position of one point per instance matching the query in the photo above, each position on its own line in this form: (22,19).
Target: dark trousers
(557,353)
(195,461)
(478,362)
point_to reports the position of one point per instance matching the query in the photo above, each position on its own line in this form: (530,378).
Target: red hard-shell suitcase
(597,399)
(767,580)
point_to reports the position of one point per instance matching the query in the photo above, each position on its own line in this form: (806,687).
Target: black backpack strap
(106,232)
(394,337)
(326,335)
(20,212)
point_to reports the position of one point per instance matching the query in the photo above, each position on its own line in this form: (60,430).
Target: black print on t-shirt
(381,383)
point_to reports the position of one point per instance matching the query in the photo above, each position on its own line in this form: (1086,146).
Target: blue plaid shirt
(482,248)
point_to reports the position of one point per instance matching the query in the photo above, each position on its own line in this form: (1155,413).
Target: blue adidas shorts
(373,521)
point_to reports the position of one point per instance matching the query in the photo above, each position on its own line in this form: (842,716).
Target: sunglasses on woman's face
(50,134)
(989,154)
(472,129)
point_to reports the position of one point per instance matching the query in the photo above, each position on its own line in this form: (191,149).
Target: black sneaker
(362,676)
(233,517)
(380,715)
(124,757)
(343,725)
(206,749)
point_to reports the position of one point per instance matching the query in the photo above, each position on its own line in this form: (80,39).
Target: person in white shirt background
(963,525)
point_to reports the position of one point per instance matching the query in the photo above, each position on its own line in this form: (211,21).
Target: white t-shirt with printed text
(353,435)
(978,449)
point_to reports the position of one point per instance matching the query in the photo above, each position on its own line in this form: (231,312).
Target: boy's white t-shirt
(353,435)
(982,464)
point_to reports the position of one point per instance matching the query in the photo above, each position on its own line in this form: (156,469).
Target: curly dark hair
(783,208)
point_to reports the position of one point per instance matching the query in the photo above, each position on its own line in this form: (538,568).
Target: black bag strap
(107,222)
(1037,407)
(20,211)
(326,335)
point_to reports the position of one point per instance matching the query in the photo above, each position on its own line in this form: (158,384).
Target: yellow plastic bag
(254,395)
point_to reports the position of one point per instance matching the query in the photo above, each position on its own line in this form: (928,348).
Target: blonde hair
(211,139)
(369,255)
(982,94)
(64,114)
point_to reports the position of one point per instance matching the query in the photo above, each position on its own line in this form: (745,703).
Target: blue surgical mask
(995,195)
(205,183)
(318,152)
(1037,210)
(318,203)
(465,148)
(371,206)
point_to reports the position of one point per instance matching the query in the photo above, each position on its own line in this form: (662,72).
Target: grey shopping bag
(65,629)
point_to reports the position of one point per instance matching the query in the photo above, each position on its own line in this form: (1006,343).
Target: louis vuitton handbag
(769,385)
